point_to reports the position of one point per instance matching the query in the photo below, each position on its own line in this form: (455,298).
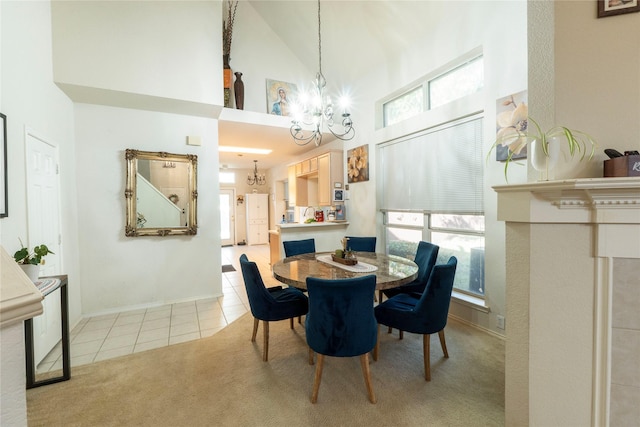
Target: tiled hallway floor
(112,335)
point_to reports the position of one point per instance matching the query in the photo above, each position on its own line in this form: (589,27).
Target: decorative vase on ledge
(226,71)
(544,162)
(238,88)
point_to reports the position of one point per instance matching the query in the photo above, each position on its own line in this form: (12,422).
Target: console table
(47,285)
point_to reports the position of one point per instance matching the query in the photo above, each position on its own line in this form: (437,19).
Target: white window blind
(439,170)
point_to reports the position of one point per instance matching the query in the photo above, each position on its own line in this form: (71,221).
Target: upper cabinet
(330,171)
(311,181)
(307,167)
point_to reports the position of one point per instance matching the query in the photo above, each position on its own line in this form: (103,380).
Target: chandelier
(316,110)
(256,179)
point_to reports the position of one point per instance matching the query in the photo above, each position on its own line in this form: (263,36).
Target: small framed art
(617,7)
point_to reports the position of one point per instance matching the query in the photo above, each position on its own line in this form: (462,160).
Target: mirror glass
(161,193)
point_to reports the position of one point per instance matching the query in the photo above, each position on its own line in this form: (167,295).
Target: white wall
(167,49)
(499,28)
(167,54)
(119,271)
(31,100)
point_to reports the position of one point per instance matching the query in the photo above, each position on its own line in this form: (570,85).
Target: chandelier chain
(319,42)
(319,111)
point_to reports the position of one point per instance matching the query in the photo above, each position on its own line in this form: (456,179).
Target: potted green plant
(545,145)
(30,261)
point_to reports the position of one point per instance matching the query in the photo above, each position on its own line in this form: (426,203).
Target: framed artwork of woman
(280,96)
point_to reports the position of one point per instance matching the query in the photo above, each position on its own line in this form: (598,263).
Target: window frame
(424,83)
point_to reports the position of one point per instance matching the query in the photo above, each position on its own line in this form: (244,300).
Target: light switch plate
(194,140)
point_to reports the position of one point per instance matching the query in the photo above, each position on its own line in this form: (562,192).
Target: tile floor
(112,335)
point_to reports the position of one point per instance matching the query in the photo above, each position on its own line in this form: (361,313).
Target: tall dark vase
(226,72)
(238,88)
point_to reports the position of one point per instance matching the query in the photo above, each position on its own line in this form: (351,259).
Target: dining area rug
(222,380)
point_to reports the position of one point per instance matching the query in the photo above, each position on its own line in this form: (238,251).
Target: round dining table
(390,270)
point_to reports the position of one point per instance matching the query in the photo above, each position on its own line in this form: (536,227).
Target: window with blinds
(439,170)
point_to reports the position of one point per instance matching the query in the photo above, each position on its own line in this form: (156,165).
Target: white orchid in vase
(514,134)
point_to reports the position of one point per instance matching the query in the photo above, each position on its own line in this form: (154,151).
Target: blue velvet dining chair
(299,247)
(423,314)
(270,304)
(341,323)
(361,244)
(426,256)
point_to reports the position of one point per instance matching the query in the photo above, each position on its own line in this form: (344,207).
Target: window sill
(470,301)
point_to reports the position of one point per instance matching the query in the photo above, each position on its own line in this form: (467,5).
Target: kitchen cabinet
(330,171)
(291,184)
(298,188)
(307,167)
(313,179)
(274,247)
(257,218)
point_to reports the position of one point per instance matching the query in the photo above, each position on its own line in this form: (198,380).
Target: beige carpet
(222,381)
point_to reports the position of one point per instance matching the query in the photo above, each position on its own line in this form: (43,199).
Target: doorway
(227,216)
(43,222)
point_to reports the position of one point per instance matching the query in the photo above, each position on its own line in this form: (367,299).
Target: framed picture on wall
(617,7)
(511,126)
(4,188)
(280,97)
(358,164)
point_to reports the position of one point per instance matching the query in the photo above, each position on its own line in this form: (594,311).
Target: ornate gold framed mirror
(161,193)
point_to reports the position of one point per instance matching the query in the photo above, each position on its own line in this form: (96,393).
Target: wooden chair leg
(389,330)
(291,322)
(300,320)
(255,329)
(443,343)
(426,338)
(317,378)
(380,296)
(401,334)
(377,347)
(265,328)
(364,362)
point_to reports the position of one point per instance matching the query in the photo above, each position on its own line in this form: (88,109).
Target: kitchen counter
(327,235)
(312,224)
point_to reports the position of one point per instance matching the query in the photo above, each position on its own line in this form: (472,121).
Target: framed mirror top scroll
(161,193)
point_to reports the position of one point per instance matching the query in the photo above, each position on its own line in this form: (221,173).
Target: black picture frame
(617,7)
(4,188)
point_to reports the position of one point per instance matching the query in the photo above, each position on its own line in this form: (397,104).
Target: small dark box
(622,166)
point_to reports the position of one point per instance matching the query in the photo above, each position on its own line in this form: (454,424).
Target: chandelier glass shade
(316,110)
(256,179)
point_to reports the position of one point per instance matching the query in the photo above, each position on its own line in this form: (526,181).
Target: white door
(43,214)
(227,216)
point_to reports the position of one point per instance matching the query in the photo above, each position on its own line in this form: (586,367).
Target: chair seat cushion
(289,302)
(398,312)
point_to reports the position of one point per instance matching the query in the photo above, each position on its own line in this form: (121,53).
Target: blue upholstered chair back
(362,244)
(340,321)
(260,300)
(299,247)
(425,258)
(433,307)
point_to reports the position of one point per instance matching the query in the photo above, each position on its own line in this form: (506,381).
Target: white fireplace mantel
(593,200)
(563,243)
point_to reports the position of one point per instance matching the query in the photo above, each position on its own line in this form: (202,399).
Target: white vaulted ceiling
(356,36)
